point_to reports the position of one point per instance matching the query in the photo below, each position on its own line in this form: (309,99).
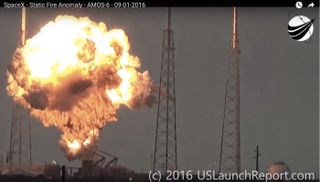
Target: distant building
(278,167)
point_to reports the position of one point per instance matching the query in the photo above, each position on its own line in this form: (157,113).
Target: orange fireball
(73,75)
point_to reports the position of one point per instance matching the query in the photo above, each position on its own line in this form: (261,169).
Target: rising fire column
(165,151)
(20,138)
(230,141)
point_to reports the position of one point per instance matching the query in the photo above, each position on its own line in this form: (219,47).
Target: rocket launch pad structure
(19,153)
(165,149)
(230,156)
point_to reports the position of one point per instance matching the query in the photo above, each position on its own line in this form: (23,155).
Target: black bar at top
(186,3)
(229,3)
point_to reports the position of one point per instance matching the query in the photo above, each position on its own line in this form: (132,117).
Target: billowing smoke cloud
(73,75)
(143,97)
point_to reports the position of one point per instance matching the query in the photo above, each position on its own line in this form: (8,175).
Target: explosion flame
(74,75)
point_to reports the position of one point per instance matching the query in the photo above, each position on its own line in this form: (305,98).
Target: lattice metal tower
(20,138)
(230,141)
(165,150)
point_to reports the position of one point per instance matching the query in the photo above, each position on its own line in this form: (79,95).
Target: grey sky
(279,86)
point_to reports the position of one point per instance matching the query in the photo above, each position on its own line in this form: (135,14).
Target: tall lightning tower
(20,138)
(165,149)
(230,141)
